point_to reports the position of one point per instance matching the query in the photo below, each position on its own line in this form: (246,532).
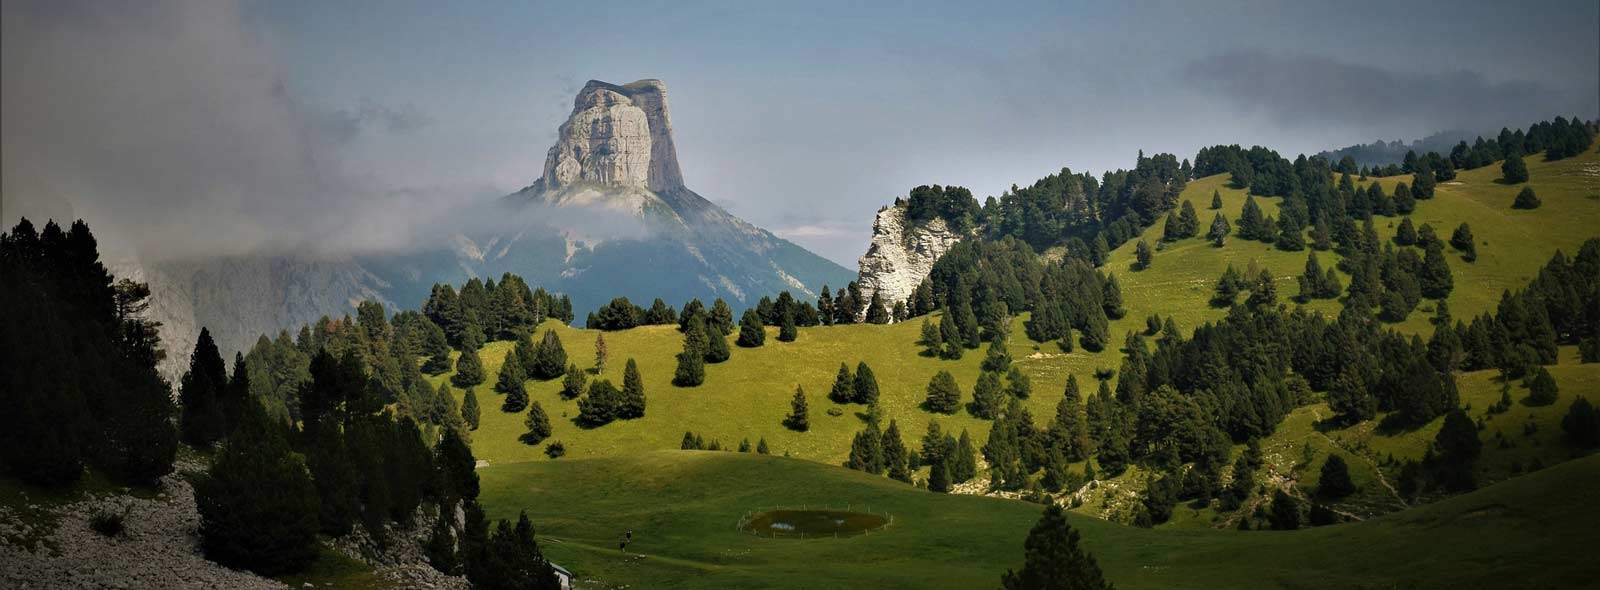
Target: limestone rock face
(617,136)
(902,254)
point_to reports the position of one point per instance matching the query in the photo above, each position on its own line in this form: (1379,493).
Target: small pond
(812,523)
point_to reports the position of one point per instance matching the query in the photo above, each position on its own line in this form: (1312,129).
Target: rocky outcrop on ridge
(902,253)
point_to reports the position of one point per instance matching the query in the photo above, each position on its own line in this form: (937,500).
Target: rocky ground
(53,547)
(157,548)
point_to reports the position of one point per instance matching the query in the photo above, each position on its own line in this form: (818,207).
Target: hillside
(682,507)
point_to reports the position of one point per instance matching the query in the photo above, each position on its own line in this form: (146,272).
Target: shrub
(555,450)
(106,523)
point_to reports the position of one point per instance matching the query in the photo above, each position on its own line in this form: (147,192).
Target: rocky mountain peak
(617,136)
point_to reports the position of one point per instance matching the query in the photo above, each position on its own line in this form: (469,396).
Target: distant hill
(1383,153)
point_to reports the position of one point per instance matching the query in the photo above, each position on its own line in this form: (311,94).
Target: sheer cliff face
(902,254)
(618,136)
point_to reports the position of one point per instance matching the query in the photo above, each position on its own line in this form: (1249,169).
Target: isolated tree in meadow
(601,405)
(1542,388)
(1335,482)
(1143,255)
(601,352)
(1251,220)
(1053,559)
(691,369)
(799,418)
(787,330)
(1526,199)
(751,332)
(950,335)
(717,347)
(1406,234)
(843,391)
(633,401)
(1461,240)
(1434,276)
(469,410)
(866,385)
(1514,170)
(257,503)
(574,384)
(537,424)
(549,358)
(1216,199)
(1219,230)
(469,370)
(944,396)
(761,447)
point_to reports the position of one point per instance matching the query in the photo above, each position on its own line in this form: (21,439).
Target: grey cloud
(1313,92)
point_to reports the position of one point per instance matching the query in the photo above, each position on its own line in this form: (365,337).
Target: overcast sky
(211,127)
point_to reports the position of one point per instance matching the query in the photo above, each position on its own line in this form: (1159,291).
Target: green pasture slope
(683,506)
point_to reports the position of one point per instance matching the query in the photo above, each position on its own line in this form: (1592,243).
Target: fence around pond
(767,522)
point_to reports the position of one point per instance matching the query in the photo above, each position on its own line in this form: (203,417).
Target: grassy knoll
(682,507)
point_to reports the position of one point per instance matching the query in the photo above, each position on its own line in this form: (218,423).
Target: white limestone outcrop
(902,254)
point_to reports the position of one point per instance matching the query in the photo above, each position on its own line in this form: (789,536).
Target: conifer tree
(932,341)
(761,447)
(1097,333)
(1404,203)
(944,396)
(1285,514)
(257,504)
(997,358)
(516,397)
(574,384)
(601,405)
(1581,424)
(717,347)
(1143,255)
(1111,298)
(964,465)
(865,390)
(469,369)
(601,353)
(633,401)
(986,396)
(537,424)
(1335,482)
(1526,199)
(894,454)
(751,332)
(1216,199)
(510,378)
(1406,234)
(939,477)
(843,391)
(950,334)
(1434,276)
(1461,240)
(1250,220)
(1290,238)
(877,313)
(469,410)
(799,418)
(691,369)
(787,330)
(1542,388)
(721,318)
(866,451)
(199,391)
(1264,294)
(1017,384)
(1189,220)
(549,358)
(1054,560)
(1219,230)
(1514,170)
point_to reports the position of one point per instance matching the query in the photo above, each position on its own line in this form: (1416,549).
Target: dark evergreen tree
(1581,424)
(1461,240)
(720,319)
(1053,560)
(601,405)
(549,358)
(469,410)
(1285,514)
(1219,231)
(877,313)
(511,560)
(1335,482)
(574,384)
(1111,298)
(1143,256)
(894,454)
(866,451)
(257,503)
(1216,199)
(950,335)
(987,396)
(203,422)
(944,396)
(1526,199)
(787,330)
(1457,447)
(537,424)
(633,401)
(691,369)
(717,347)
(469,370)
(1017,384)
(799,418)
(761,447)
(964,463)
(1514,170)
(843,391)
(865,390)
(932,341)
(1251,221)
(751,332)
(1434,276)
(1542,388)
